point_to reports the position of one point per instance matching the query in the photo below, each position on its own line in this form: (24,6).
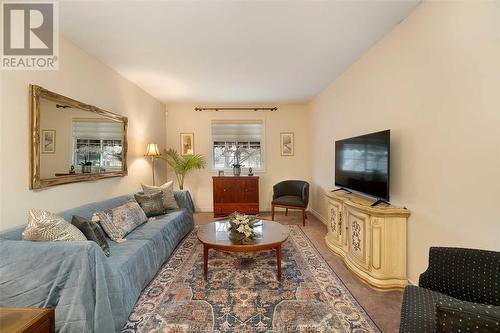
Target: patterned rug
(242,293)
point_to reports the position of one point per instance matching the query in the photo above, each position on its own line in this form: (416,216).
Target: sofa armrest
(467,317)
(24,265)
(184,200)
(70,276)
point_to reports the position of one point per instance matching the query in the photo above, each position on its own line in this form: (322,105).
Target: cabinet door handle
(224,190)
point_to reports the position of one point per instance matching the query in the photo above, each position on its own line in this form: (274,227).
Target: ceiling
(230,52)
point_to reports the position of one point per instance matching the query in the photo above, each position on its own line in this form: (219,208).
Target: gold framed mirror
(73,142)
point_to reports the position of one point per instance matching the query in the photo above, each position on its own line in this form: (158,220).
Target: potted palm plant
(181,165)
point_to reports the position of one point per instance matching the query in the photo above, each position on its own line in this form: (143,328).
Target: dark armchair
(459,292)
(291,194)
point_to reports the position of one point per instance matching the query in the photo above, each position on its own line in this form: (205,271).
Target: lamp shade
(152,150)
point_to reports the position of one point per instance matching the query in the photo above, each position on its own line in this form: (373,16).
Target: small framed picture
(221,173)
(287,144)
(48,141)
(187,144)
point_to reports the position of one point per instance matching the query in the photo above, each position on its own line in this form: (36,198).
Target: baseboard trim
(318,216)
(267,210)
(204,210)
(412,283)
(211,210)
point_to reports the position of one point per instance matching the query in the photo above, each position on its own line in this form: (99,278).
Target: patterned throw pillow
(151,204)
(92,231)
(119,221)
(46,226)
(168,194)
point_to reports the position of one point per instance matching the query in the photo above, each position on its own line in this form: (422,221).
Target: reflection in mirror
(75,141)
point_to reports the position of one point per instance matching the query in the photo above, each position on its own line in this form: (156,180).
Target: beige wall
(435,82)
(84,78)
(182,118)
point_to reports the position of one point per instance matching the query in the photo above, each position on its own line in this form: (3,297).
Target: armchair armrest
(279,190)
(467,317)
(184,200)
(466,274)
(305,193)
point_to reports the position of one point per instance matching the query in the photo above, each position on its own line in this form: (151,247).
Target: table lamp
(152,151)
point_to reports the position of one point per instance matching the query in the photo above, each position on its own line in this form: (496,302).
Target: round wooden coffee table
(215,235)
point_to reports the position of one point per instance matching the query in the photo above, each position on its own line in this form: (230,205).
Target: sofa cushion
(289,200)
(46,226)
(167,189)
(137,260)
(151,204)
(418,312)
(119,221)
(92,232)
(131,260)
(158,226)
(165,231)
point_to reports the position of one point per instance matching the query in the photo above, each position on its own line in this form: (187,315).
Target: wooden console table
(27,320)
(371,240)
(235,193)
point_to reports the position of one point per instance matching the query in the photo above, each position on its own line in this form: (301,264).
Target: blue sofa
(89,291)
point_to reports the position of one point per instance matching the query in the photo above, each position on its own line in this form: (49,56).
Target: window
(99,142)
(231,138)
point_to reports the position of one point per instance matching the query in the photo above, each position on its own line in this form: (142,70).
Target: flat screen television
(362,164)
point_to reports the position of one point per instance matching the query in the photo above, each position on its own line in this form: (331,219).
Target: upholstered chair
(291,194)
(459,292)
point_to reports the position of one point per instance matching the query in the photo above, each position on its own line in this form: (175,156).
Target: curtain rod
(235,109)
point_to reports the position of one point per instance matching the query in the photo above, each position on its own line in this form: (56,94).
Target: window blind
(97,129)
(237,130)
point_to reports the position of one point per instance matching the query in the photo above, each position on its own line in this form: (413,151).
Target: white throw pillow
(168,194)
(46,226)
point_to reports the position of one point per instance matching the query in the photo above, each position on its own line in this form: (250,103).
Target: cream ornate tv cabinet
(371,240)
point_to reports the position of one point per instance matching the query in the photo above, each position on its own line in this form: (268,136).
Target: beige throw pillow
(46,226)
(119,221)
(168,194)
(151,204)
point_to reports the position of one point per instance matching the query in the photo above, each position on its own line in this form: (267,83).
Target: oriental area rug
(243,295)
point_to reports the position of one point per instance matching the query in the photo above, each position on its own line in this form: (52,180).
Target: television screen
(362,164)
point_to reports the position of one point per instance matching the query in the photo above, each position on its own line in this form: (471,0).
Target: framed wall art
(187,144)
(287,144)
(48,141)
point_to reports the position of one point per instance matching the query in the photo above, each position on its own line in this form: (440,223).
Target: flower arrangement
(237,162)
(86,151)
(242,227)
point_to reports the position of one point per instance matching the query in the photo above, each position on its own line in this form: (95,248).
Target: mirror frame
(36,93)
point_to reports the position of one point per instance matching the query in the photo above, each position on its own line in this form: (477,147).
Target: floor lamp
(153,152)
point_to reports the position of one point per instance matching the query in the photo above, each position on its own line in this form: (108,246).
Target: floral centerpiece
(242,227)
